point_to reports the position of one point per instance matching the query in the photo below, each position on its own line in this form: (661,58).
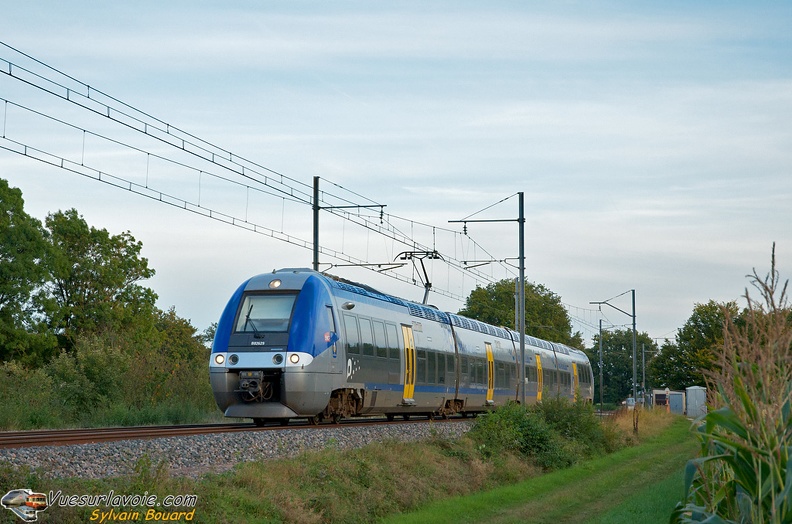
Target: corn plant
(741,475)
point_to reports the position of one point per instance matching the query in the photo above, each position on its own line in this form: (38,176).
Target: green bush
(500,430)
(544,444)
(28,399)
(112,379)
(575,421)
(554,434)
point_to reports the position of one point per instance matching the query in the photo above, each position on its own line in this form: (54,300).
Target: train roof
(432,313)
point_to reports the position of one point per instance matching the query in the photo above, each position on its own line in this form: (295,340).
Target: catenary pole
(521,299)
(316,223)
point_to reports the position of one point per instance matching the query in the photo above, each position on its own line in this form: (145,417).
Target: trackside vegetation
(742,473)
(618,487)
(385,479)
(81,340)
(553,434)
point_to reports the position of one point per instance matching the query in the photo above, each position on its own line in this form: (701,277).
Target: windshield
(268,313)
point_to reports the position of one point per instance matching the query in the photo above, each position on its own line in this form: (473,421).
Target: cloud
(651,141)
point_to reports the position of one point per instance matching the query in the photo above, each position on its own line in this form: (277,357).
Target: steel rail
(67,437)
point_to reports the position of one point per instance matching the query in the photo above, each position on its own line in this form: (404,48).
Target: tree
(94,277)
(545,315)
(617,364)
(666,369)
(698,342)
(22,249)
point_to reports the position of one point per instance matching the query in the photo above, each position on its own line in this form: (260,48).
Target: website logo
(24,503)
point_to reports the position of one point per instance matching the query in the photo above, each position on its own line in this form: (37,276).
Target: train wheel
(313,421)
(389,416)
(406,417)
(336,418)
(260,422)
(464,414)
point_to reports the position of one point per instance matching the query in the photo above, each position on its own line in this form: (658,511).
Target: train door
(409,364)
(490,374)
(539,378)
(575,381)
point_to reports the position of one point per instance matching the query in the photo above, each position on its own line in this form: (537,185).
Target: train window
(431,367)
(420,368)
(352,336)
(441,367)
(330,319)
(379,339)
(366,339)
(479,371)
(463,363)
(502,378)
(450,363)
(393,342)
(269,313)
(585,376)
(531,374)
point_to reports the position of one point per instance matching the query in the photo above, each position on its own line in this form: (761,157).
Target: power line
(67,88)
(147,153)
(165,198)
(100,103)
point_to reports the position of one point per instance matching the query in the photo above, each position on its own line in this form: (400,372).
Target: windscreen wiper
(252,323)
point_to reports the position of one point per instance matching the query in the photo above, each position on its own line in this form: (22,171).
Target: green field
(638,484)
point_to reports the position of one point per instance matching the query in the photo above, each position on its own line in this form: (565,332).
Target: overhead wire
(295,191)
(148,154)
(99,103)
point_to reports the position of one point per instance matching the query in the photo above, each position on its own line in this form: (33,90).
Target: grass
(390,478)
(650,505)
(581,492)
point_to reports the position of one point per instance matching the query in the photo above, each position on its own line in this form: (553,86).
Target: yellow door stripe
(575,380)
(490,372)
(409,363)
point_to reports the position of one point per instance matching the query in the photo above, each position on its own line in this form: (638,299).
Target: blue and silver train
(296,343)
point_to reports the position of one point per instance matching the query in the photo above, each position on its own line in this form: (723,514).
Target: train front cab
(274,353)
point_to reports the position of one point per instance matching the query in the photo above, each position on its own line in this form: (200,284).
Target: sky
(652,141)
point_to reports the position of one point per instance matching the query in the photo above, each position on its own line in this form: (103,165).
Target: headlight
(277,359)
(294,358)
(219,359)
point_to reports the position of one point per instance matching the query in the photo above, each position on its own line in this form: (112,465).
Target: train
(24,503)
(300,344)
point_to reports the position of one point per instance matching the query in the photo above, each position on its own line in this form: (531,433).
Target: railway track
(66,437)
